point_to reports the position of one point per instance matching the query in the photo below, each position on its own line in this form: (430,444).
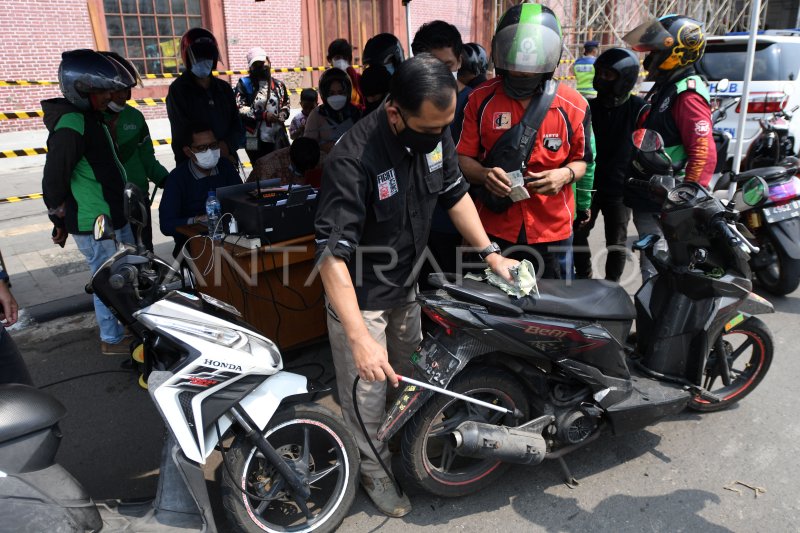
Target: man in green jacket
(134,145)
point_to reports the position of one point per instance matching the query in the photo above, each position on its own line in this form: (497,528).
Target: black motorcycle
(537,377)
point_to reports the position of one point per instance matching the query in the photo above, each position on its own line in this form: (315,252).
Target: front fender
(755,305)
(787,234)
(265,399)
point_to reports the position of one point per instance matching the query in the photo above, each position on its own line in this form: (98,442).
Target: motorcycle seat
(580,298)
(25,409)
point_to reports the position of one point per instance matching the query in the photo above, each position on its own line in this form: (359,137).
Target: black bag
(513,149)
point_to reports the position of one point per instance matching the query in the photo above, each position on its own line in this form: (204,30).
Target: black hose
(59,382)
(369,440)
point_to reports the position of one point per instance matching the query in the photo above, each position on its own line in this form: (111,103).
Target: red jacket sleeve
(692,115)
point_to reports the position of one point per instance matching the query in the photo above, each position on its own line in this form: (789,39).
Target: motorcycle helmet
(383,49)
(673,42)
(127,65)
(196,44)
(616,73)
(331,75)
(82,72)
(527,39)
(474,59)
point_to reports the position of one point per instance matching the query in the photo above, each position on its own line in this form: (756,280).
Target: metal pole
(454,395)
(755,10)
(408,26)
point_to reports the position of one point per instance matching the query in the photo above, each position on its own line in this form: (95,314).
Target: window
(774,61)
(148,32)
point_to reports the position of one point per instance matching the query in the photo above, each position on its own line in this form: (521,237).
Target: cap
(591,44)
(256,54)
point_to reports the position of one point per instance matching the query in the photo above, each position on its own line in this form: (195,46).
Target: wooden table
(273,286)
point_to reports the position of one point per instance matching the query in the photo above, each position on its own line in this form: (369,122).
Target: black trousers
(12,366)
(615,218)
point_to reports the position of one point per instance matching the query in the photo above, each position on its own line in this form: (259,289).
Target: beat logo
(220,364)
(552,142)
(545,332)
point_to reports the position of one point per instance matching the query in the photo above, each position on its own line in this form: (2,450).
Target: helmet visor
(649,36)
(527,47)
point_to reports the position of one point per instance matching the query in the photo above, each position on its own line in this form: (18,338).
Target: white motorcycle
(291,466)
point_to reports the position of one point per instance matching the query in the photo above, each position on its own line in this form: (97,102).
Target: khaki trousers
(399,330)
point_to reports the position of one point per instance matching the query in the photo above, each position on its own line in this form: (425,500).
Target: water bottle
(214,212)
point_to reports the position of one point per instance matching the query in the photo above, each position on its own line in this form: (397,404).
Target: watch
(489,250)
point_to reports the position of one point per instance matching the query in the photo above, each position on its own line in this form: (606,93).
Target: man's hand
(583,218)
(270,118)
(497,182)
(500,266)
(9,314)
(372,360)
(59,236)
(549,182)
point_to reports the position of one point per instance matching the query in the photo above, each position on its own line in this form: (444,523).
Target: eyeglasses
(197,148)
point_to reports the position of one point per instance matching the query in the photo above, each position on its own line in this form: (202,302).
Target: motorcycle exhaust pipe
(501,443)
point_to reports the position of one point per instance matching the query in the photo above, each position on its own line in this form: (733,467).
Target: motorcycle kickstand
(569,479)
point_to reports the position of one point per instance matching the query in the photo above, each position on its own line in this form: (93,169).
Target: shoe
(381,491)
(123,347)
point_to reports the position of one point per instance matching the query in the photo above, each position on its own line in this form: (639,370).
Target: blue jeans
(96,253)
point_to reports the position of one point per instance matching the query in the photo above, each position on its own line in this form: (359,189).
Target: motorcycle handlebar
(722,227)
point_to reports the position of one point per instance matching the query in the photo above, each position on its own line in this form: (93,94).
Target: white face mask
(208,159)
(115,107)
(455,75)
(341,64)
(337,101)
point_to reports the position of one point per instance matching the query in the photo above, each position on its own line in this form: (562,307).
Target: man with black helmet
(383,49)
(680,108)
(526,50)
(82,175)
(198,96)
(474,65)
(615,114)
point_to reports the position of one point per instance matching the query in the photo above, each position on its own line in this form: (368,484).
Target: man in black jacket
(615,114)
(198,97)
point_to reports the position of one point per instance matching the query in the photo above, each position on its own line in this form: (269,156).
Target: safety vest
(584,76)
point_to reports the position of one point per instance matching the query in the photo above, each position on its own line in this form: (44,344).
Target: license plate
(437,364)
(782,212)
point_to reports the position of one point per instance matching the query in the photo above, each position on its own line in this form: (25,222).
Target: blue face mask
(202,69)
(390,68)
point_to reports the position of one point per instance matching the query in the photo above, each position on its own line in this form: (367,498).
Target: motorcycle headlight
(259,347)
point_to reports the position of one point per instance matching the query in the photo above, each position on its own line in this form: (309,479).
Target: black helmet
(82,72)
(527,39)
(674,42)
(198,42)
(125,64)
(331,75)
(614,90)
(383,49)
(474,59)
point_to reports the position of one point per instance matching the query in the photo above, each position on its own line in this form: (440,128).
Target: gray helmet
(474,59)
(82,72)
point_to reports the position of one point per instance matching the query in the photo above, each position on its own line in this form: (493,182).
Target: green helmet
(527,39)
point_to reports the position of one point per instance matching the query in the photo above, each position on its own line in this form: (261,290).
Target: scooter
(535,378)
(291,466)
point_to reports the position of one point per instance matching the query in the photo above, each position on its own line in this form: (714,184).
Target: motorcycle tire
(332,455)
(782,276)
(463,475)
(746,375)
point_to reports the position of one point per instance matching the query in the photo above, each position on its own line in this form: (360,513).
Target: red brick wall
(457,12)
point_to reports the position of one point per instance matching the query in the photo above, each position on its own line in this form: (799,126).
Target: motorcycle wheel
(748,352)
(782,276)
(428,460)
(316,444)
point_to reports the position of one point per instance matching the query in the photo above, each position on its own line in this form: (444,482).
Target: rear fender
(787,234)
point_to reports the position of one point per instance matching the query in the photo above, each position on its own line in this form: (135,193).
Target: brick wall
(459,13)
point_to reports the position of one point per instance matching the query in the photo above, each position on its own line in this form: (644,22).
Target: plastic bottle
(214,212)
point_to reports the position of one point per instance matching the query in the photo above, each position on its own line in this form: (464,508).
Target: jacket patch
(552,143)
(664,105)
(387,184)
(435,158)
(701,128)
(502,120)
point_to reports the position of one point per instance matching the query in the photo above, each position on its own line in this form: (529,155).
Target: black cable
(59,382)
(369,440)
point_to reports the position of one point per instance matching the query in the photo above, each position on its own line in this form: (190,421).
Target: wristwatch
(489,250)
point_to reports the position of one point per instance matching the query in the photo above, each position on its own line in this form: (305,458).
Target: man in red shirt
(526,49)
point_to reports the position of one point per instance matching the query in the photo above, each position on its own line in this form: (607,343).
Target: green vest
(584,76)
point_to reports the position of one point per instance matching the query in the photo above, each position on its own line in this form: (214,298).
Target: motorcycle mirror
(103,228)
(755,191)
(135,205)
(722,85)
(647,141)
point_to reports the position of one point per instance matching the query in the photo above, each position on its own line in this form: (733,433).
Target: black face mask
(416,141)
(521,88)
(607,93)
(262,73)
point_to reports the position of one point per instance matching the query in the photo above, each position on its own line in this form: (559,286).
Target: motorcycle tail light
(765,103)
(439,320)
(785,191)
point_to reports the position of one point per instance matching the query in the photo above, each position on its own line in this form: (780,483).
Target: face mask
(337,102)
(389,68)
(418,142)
(208,159)
(115,107)
(341,64)
(521,88)
(606,93)
(202,69)
(262,73)
(294,171)
(455,75)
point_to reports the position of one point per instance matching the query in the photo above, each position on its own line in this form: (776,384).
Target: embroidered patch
(664,105)
(552,143)
(701,128)
(501,120)
(435,158)
(387,184)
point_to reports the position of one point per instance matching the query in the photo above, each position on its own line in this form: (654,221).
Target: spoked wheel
(429,460)
(782,273)
(743,363)
(319,449)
